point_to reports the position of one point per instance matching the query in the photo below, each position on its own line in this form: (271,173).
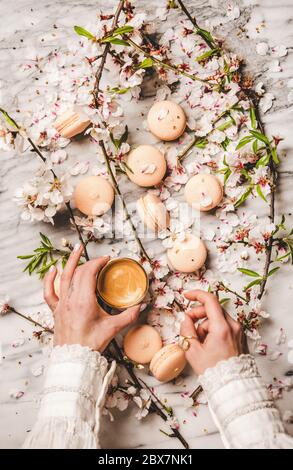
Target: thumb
(127,317)
(188,329)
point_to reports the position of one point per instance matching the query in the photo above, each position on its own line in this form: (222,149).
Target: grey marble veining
(28,30)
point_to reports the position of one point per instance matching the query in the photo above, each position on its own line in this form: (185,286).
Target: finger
(202,330)
(70,267)
(90,270)
(212,306)
(188,329)
(196,313)
(49,290)
(126,318)
(237,330)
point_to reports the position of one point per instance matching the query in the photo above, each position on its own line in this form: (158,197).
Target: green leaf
(124,137)
(253,283)
(25,256)
(123,30)
(83,32)
(9,119)
(263,161)
(244,141)
(113,40)
(286,255)
(253,118)
(273,271)
(275,155)
(146,63)
(227,175)
(46,268)
(119,91)
(225,143)
(248,272)
(225,125)
(224,300)
(260,193)
(114,141)
(259,136)
(201,143)
(243,197)
(255,146)
(206,35)
(206,55)
(46,240)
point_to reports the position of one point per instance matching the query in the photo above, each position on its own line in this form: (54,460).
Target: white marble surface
(28,30)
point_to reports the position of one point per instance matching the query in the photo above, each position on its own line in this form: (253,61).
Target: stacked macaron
(71,123)
(143,345)
(153,212)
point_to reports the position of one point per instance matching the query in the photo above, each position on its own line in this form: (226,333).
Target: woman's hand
(217,338)
(79,319)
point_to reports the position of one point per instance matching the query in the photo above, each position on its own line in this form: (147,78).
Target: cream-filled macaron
(204,192)
(146,166)
(153,212)
(166,120)
(71,123)
(168,363)
(188,255)
(94,195)
(141,343)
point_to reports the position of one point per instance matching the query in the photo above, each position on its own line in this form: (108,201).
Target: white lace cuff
(241,405)
(76,382)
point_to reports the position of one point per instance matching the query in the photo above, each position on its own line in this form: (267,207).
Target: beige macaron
(188,255)
(94,195)
(204,192)
(71,123)
(168,363)
(141,343)
(153,212)
(146,166)
(166,120)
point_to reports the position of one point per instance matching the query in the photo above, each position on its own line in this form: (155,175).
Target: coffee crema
(122,283)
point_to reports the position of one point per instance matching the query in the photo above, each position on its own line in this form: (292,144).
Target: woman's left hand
(79,319)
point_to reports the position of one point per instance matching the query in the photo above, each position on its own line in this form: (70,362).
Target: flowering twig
(119,194)
(37,150)
(163,64)
(31,320)
(254,104)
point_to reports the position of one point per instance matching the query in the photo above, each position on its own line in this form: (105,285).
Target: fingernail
(52,268)
(76,247)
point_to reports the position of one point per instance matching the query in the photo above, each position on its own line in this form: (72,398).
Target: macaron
(141,343)
(71,123)
(94,195)
(188,255)
(204,192)
(146,166)
(168,363)
(153,212)
(166,120)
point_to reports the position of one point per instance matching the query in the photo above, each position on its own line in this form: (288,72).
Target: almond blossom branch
(31,320)
(107,47)
(37,150)
(254,104)
(197,139)
(163,64)
(119,194)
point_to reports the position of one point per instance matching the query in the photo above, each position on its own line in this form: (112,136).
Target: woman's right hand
(217,338)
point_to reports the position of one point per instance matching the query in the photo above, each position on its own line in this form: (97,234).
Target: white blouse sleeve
(75,388)
(241,406)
